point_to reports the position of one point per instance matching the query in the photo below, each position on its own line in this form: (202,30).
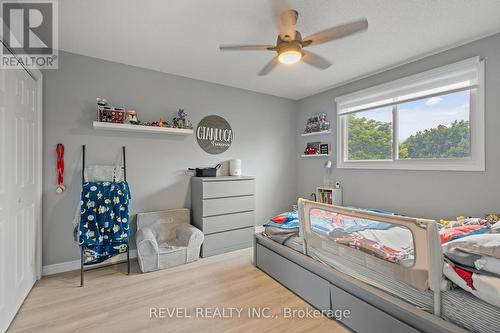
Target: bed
(388,267)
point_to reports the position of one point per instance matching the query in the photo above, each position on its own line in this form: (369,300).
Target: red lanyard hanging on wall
(60,168)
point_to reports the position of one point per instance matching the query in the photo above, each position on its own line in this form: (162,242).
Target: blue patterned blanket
(104,221)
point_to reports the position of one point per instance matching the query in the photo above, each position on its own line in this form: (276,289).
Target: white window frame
(462,75)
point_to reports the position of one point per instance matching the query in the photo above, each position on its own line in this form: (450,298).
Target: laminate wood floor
(205,290)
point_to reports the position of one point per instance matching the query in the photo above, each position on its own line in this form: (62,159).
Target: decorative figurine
(160,122)
(108,113)
(310,150)
(131,117)
(317,123)
(102,101)
(181,121)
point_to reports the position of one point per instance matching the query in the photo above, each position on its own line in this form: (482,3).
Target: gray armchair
(166,239)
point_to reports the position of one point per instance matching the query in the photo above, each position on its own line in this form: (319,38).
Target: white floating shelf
(141,128)
(316,155)
(317,133)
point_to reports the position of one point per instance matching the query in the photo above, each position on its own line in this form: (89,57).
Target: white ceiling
(182,36)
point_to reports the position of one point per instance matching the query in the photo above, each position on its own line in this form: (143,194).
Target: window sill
(424,165)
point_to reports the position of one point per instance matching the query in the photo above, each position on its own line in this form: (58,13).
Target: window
(370,135)
(429,121)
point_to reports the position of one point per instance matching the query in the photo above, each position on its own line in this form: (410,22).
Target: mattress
(458,306)
(469,312)
(350,266)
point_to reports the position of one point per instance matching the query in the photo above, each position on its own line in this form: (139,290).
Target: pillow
(473,247)
(288,220)
(285,217)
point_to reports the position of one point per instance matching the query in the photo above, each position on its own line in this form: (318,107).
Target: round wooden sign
(214,134)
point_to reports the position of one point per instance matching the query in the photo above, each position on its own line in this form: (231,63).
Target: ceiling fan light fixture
(289,57)
(289,42)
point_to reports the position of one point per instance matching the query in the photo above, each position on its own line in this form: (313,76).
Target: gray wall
(264,129)
(432,194)
(266,139)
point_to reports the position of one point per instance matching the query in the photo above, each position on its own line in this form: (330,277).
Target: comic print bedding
(380,239)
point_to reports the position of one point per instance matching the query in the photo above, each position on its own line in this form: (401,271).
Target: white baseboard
(75,264)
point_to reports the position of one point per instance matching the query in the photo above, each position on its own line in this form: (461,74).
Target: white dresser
(223,208)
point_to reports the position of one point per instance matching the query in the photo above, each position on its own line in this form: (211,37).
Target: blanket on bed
(324,220)
(472,252)
(280,235)
(450,234)
(484,287)
(104,220)
(374,248)
(476,247)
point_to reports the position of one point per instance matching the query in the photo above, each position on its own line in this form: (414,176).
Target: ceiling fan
(290,44)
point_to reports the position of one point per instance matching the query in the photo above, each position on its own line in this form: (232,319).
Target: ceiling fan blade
(336,32)
(244,47)
(286,19)
(269,66)
(315,60)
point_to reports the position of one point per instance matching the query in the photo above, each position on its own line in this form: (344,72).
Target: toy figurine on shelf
(181,121)
(102,102)
(317,123)
(310,150)
(160,122)
(131,117)
(108,113)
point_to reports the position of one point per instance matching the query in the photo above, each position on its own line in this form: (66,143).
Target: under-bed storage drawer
(227,241)
(364,317)
(216,189)
(305,284)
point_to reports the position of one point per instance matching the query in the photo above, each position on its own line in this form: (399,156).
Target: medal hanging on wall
(60,168)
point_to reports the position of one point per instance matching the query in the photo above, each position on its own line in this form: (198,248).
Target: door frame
(37,75)
(39,226)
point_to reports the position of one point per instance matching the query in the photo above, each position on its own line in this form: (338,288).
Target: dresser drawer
(220,223)
(230,188)
(227,205)
(227,241)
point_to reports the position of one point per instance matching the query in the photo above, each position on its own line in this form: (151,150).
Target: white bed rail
(427,269)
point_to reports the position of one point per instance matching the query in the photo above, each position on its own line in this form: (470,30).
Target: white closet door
(20,164)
